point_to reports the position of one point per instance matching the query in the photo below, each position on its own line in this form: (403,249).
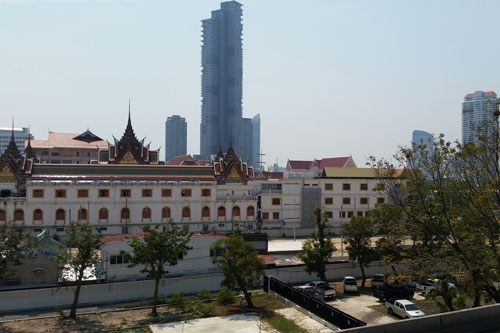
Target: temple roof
(67,140)
(11,149)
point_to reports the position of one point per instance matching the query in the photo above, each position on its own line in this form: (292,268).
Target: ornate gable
(9,171)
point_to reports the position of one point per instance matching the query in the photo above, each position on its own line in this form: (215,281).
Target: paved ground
(241,323)
(303,321)
(358,307)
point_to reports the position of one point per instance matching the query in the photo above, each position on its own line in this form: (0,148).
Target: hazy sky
(328,77)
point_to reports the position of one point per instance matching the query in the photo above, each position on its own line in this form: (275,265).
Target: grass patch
(284,325)
(428,306)
(267,302)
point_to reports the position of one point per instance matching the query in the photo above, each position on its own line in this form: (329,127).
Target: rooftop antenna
(261,163)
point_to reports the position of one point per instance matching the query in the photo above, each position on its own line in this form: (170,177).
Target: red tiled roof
(203,162)
(334,162)
(300,165)
(489,93)
(180,160)
(119,238)
(67,140)
(272,175)
(268,260)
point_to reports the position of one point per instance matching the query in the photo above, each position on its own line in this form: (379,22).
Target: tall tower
(175,137)
(477,111)
(221,81)
(256,141)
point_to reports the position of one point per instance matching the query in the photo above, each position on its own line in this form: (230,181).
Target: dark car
(393,291)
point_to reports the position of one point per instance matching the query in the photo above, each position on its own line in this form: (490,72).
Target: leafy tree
(156,251)
(11,239)
(319,249)
(77,261)
(357,236)
(240,263)
(225,296)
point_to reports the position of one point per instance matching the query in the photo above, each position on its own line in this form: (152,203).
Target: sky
(328,77)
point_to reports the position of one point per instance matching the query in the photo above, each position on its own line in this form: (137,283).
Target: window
(216,253)
(328,201)
(250,211)
(380,187)
(363,201)
(166,192)
(363,187)
(180,256)
(205,192)
(380,200)
(265,216)
(147,193)
(342,215)
(54,153)
(329,215)
(18,215)
(103,193)
(82,214)
(146,213)
(186,192)
(350,214)
(125,193)
(125,214)
(346,201)
(165,213)
(276,215)
(328,187)
(60,214)
(60,193)
(186,212)
(276,201)
(3,216)
(82,193)
(360,213)
(103,214)
(77,153)
(38,193)
(205,212)
(221,225)
(185,227)
(236,211)
(37,215)
(270,187)
(346,187)
(221,212)
(118,259)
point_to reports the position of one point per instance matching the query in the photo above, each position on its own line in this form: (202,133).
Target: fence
(332,315)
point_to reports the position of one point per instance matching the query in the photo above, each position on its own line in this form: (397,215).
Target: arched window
(82,214)
(125,214)
(60,214)
(186,212)
(146,213)
(3,216)
(221,212)
(250,211)
(236,211)
(103,214)
(165,213)
(18,215)
(37,215)
(205,212)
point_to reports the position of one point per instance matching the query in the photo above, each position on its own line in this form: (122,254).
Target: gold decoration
(6,176)
(128,158)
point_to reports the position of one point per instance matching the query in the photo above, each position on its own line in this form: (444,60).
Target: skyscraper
(221,82)
(175,137)
(422,138)
(476,111)
(256,141)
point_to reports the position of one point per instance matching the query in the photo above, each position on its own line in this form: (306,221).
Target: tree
(240,263)
(156,251)
(12,253)
(357,236)
(319,249)
(77,261)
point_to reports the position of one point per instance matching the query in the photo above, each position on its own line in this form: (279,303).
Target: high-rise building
(256,142)
(422,138)
(175,137)
(21,135)
(221,82)
(477,111)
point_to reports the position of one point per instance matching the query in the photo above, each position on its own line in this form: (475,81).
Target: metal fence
(332,315)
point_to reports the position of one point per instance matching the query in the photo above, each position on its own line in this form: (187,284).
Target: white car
(350,284)
(403,308)
(379,280)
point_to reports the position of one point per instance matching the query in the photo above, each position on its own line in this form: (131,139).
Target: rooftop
(70,140)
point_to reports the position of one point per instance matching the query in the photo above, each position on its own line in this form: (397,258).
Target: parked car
(350,284)
(403,308)
(314,292)
(392,292)
(429,286)
(330,292)
(379,280)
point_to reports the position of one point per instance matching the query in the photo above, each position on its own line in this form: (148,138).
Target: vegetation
(225,296)
(319,249)
(156,251)
(285,325)
(357,236)
(77,261)
(11,239)
(240,263)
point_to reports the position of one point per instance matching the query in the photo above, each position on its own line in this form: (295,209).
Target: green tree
(77,261)
(11,239)
(156,251)
(357,236)
(240,263)
(319,249)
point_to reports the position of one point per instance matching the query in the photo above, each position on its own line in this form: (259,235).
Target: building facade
(256,142)
(21,135)
(175,137)
(477,111)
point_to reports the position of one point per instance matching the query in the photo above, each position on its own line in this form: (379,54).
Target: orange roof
(66,140)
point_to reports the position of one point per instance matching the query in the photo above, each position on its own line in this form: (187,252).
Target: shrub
(205,308)
(204,296)
(225,296)
(177,301)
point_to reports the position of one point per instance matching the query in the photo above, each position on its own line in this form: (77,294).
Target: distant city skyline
(325,78)
(477,111)
(175,137)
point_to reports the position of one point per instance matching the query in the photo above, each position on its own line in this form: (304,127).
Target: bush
(60,312)
(205,308)
(225,296)
(177,301)
(204,296)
